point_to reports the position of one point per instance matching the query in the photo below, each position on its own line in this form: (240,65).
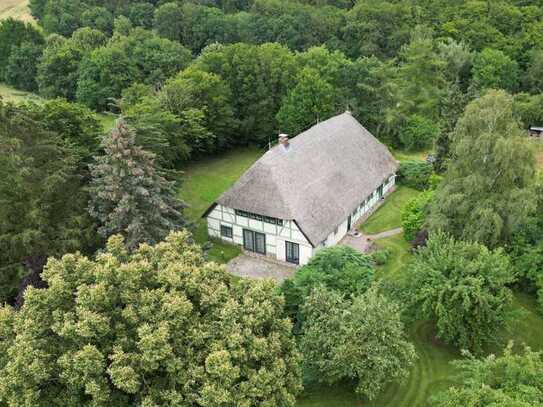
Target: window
(267,219)
(226,231)
(254,241)
(292,252)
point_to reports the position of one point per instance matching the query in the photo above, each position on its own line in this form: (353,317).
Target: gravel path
(259,268)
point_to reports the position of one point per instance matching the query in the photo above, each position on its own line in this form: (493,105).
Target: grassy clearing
(107,120)
(10,94)
(203,182)
(388,216)
(402,155)
(17,9)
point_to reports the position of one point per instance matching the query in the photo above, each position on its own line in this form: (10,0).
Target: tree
(42,198)
(528,109)
(339,268)
(533,80)
(418,133)
(512,379)
(377,28)
(168,21)
(103,74)
(128,193)
(362,339)
(492,69)
(194,88)
(74,123)
(486,193)
(21,69)
(13,33)
(62,16)
(312,99)
(462,286)
(159,327)
(98,18)
(258,77)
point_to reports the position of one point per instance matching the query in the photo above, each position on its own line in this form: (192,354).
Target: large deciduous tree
(158,327)
(492,69)
(313,99)
(487,190)
(463,287)
(512,379)
(362,339)
(129,195)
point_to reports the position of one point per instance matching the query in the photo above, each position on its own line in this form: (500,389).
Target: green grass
(432,371)
(402,155)
(107,120)
(10,94)
(203,182)
(388,216)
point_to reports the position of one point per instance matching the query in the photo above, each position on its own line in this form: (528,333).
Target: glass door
(292,252)
(254,241)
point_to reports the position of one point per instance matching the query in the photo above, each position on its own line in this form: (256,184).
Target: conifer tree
(129,194)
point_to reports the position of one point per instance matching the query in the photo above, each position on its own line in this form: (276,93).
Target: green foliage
(258,77)
(492,69)
(129,196)
(512,379)
(206,93)
(533,79)
(461,286)
(13,34)
(415,174)
(159,327)
(362,339)
(42,200)
(312,99)
(486,192)
(380,257)
(21,69)
(418,133)
(528,109)
(98,18)
(338,268)
(168,21)
(414,214)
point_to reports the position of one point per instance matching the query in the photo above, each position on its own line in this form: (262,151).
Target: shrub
(339,268)
(418,133)
(415,174)
(381,256)
(414,214)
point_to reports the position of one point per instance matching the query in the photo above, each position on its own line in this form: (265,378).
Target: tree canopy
(156,327)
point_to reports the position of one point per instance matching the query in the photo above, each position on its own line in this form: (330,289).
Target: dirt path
(364,243)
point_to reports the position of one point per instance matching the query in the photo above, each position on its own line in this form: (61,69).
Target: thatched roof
(318,181)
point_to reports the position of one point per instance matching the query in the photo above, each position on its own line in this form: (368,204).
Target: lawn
(203,182)
(432,371)
(388,216)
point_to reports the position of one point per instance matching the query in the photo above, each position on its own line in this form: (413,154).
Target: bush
(418,133)
(415,174)
(381,257)
(414,214)
(339,268)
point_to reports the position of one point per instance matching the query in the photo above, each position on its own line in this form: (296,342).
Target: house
(306,193)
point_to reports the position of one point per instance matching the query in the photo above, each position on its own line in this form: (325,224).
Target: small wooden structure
(536,131)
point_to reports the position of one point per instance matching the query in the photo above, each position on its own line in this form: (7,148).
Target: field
(17,9)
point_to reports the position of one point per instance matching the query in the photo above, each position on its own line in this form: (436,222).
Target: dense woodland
(109,301)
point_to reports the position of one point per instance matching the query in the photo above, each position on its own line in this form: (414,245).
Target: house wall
(276,235)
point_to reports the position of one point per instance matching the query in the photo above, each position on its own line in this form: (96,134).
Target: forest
(135,115)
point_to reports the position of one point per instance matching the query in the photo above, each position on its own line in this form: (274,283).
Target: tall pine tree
(129,195)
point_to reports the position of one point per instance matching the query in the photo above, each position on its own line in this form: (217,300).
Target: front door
(254,241)
(380,191)
(292,254)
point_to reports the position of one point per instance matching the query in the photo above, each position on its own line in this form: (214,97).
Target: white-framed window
(226,231)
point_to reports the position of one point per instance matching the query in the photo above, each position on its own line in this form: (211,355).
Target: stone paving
(364,243)
(259,268)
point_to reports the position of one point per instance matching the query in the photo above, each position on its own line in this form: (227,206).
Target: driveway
(259,268)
